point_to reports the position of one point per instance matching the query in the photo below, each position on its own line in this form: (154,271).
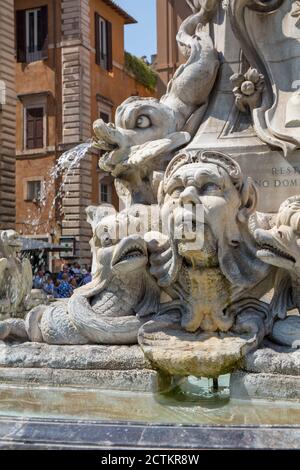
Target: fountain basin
(109,396)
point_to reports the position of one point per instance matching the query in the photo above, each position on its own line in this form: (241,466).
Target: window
(104,106)
(34,189)
(105,193)
(104,117)
(103,46)
(32,34)
(34,128)
(105,189)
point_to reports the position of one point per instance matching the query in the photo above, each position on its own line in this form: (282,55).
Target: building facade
(7,115)
(69,72)
(170,14)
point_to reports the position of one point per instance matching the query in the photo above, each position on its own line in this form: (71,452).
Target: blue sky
(140,39)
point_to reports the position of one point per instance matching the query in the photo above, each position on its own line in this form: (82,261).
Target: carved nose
(189,196)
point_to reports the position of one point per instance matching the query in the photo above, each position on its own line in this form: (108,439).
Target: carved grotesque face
(197,190)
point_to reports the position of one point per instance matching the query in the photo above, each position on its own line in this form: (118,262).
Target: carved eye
(209,188)
(143,122)
(176,192)
(105,240)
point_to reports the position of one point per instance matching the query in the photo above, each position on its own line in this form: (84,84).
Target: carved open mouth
(131,253)
(106,146)
(15,243)
(107,136)
(267,250)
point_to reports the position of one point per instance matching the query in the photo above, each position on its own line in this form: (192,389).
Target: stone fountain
(199,275)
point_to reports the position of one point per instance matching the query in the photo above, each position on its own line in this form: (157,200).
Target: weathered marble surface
(272,372)
(269,42)
(247,386)
(190,290)
(15,277)
(147,132)
(201,354)
(273,359)
(133,379)
(92,357)
(106,367)
(111,308)
(287,331)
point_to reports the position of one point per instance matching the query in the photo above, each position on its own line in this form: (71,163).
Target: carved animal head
(117,248)
(120,251)
(10,243)
(280,246)
(138,121)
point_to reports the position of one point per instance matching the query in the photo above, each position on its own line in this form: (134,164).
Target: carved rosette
(248,89)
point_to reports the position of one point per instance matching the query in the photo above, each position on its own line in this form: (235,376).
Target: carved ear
(249,199)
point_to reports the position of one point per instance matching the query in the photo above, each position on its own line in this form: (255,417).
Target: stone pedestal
(272,372)
(102,367)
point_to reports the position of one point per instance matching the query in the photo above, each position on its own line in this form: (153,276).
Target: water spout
(71,159)
(64,168)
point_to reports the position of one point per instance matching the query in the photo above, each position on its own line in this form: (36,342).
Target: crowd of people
(62,285)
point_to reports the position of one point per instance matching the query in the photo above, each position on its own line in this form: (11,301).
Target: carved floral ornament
(248,89)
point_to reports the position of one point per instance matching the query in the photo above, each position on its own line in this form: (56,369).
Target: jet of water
(64,168)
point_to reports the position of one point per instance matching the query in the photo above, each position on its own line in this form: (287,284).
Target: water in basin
(193,403)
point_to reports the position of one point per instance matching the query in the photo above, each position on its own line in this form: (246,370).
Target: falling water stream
(62,171)
(64,168)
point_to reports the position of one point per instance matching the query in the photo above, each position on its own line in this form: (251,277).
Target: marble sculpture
(217,275)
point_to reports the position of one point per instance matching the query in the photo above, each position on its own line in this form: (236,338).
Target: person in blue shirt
(48,286)
(65,270)
(86,278)
(64,289)
(38,280)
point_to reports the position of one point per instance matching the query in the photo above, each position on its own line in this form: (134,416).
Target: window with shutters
(32,34)
(103,46)
(34,128)
(104,117)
